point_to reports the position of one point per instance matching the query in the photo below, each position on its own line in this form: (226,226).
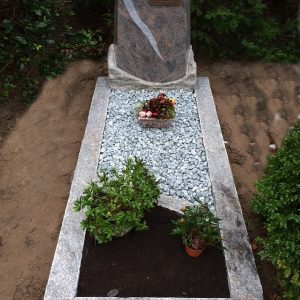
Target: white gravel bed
(175,155)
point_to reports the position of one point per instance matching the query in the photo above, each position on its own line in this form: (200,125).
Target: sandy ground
(37,162)
(256,104)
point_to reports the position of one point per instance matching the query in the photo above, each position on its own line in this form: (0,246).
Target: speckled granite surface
(152,42)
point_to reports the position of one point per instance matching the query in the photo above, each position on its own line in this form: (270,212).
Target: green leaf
(38,12)
(41,25)
(21,40)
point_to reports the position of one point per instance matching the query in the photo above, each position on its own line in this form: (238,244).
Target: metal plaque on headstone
(152,39)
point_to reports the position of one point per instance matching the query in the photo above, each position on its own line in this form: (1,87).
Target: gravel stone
(175,155)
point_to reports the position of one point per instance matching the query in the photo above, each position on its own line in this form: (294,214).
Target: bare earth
(256,104)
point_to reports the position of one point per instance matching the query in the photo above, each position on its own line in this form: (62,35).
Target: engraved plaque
(165,2)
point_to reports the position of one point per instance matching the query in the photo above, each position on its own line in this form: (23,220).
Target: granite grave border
(243,280)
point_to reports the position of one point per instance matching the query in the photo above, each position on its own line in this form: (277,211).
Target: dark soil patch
(151,264)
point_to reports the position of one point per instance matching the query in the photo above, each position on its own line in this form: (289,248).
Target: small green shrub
(245,29)
(198,227)
(116,202)
(278,204)
(96,8)
(76,45)
(36,43)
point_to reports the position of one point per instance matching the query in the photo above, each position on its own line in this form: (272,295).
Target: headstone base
(119,79)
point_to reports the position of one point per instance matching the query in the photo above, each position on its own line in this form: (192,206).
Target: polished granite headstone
(152,39)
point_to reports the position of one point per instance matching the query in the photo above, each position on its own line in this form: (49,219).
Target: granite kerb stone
(243,280)
(144,298)
(64,273)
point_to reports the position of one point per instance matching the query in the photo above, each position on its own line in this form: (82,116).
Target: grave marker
(152,42)
(152,49)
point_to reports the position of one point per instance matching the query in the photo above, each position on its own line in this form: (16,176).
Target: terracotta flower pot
(193,252)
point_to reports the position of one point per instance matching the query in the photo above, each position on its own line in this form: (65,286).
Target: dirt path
(256,104)
(36,167)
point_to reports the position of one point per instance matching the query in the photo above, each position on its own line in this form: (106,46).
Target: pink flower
(149,114)
(142,114)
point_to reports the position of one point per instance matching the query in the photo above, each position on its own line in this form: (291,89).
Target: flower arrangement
(160,107)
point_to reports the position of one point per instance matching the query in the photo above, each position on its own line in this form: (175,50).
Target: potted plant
(198,228)
(116,202)
(158,112)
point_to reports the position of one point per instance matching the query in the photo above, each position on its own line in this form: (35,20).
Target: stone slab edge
(145,298)
(64,273)
(243,280)
(173,203)
(119,79)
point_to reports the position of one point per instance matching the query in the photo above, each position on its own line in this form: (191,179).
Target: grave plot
(66,281)
(151,263)
(152,50)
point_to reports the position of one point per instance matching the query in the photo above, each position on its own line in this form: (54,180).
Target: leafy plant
(277,202)
(230,29)
(198,227)
(76,45)
(116,202)
(36,43)
(94,9)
